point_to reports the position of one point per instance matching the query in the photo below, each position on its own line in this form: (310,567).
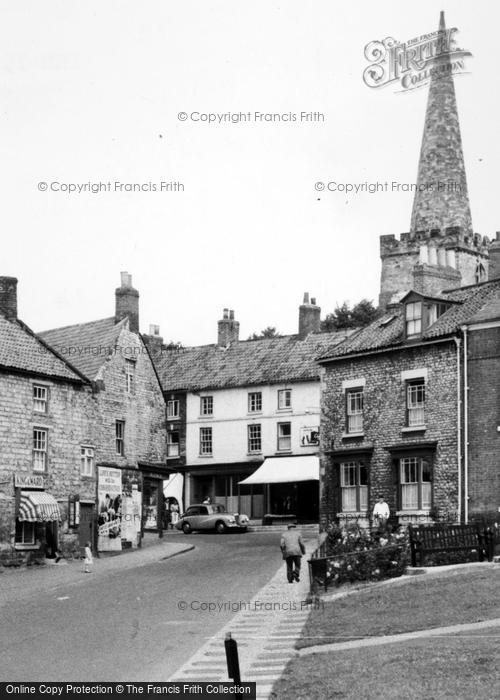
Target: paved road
(129,625)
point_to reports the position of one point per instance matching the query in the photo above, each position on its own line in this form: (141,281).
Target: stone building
(440,250)
(410,405)
(395,414)
(127,448)
(243,417)
(46,417)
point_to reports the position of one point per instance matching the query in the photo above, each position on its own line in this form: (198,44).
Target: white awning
(280,470)
(38,506)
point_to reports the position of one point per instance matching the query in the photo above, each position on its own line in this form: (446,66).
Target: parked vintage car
(211,517)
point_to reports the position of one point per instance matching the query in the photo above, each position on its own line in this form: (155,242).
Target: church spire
(441,199)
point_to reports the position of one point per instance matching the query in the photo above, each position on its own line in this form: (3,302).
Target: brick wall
(484,420)
(385,418)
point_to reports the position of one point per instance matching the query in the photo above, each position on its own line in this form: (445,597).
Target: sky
(93,93)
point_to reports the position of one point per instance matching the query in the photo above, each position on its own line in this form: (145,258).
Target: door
(86,525)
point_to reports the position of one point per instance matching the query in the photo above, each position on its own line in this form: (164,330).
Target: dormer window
(422,312)
(413,318)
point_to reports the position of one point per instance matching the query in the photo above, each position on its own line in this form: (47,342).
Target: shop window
(354,487)
(25,533)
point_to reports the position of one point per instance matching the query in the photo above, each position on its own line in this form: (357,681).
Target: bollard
(233,664)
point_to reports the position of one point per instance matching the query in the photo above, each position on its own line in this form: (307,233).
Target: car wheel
(220,528)
(187,529)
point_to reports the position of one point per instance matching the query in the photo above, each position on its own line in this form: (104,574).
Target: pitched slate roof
(86,345)
(388,331)
(21,349)
(244,363)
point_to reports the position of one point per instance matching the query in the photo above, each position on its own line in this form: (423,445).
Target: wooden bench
(428,539)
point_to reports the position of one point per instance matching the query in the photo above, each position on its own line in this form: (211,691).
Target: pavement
(17,583)
(266,630)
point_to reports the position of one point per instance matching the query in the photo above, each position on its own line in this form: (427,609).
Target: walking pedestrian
(292,549)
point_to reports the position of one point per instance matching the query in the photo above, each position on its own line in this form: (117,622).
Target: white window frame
(120,437)
(206,405)
(173,408)
(173,448)
(416,494)
(284,441)
(206,442)
(355,410)
(40,448)
(255,402)
(254,438)
(87,460)
(354,494)
(414,318)
(284,399)
(415,404)
(40,403)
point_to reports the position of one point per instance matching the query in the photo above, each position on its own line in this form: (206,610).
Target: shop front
(37,517)
(289,487)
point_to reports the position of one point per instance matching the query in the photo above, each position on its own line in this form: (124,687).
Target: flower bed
(355,554)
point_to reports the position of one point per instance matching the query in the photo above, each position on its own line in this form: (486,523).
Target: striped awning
(38,506)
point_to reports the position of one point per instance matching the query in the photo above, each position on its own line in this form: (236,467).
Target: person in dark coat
(292,549)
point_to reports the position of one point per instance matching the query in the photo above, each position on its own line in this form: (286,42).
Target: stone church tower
(441,251)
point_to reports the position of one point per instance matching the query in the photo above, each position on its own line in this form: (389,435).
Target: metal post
(233,664)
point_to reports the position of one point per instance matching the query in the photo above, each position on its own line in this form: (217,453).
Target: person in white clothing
(381,513)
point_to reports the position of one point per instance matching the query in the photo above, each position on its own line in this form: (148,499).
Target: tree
(269,332)
(362,314)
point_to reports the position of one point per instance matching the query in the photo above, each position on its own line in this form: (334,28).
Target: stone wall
(385,423)
(484,420)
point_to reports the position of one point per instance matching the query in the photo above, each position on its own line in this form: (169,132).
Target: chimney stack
(494,264)
(228,329)
(154,341)
(8,296)
(309,316)
(127,302)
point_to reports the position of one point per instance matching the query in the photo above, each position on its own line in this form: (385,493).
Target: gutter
(466,430)
(458,342)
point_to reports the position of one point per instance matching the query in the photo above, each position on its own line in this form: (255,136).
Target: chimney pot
(306,298)
(154,330)
(313,301)
(231,315)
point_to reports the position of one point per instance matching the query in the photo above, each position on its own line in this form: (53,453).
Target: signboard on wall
(109,509)
(309,436)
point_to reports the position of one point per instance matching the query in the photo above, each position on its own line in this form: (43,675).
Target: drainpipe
(459,433)
(466,431)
